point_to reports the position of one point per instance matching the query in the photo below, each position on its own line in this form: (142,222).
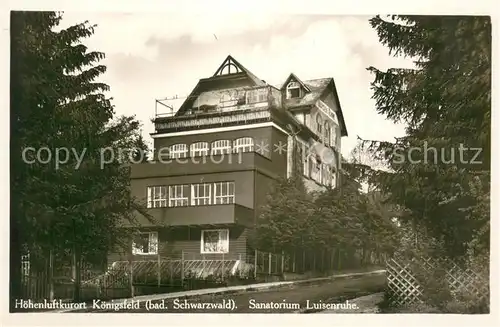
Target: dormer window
(293,90)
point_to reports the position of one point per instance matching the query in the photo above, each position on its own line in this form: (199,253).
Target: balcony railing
(195,112)
(222,107)
(219,118)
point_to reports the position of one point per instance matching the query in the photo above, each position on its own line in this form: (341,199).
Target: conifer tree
(57,103)
(445,102)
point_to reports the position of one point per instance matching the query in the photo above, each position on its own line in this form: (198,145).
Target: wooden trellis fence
(404,287)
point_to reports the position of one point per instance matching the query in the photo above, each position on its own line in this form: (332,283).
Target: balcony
(203,165)
(219,108)
(213,119)
(216,214)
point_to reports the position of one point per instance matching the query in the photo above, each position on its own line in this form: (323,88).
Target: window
(244,144)
(199,149)
(334,137)
(228,99)
(258,95)
(262,95)
(178,151)
(201,194)
(305,158)
(319,124)
(215,241)
(145,243)
(157,196)
(328,133)
(241,98)
(178,195)
(293,90)
(221,147)
(316,169)
(326,175)
(224,192)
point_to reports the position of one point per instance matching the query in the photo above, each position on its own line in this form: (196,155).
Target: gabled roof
(318,87)
(340,114)
(293,76)
(231,62)
(237,73)
(228,64)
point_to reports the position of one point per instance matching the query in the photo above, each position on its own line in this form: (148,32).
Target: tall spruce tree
(445,102)
(56,102)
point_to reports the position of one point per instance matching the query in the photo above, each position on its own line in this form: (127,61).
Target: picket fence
(181,272)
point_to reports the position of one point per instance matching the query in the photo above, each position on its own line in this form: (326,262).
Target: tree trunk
(322,260)
(17,171)
(331,264)
(15,265)
(282,262)
(340,260)
(159,270)
(77,273)
(51,275)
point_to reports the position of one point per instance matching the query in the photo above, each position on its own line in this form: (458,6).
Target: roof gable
(229,70)
(318,88)
(293,77)
(340,114)
(315,87)
(232,66)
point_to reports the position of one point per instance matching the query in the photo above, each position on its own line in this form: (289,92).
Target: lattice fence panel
(467,281)
(404,288)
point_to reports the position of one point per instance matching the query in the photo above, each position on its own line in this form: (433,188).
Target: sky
(156,55)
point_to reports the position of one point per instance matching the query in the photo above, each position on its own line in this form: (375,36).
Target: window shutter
(224,240)
(150,199)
